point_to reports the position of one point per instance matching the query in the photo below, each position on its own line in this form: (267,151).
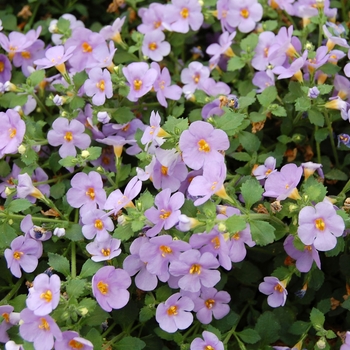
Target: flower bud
(103,117)
(85,153)
(21,149)
(321,344)
(59,231)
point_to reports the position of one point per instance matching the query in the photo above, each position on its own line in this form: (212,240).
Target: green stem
(13,291)
(32,17)
(34,218)
(330,131)
(318,148)
(73,260)
(265,217)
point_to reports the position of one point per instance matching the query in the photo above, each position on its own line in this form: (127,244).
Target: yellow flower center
(209,303)
(26,55)
(196,78)
(137,84)
(98,224)
(236,236)
(6,317)
(157,24)
(153,46)
(75,344)
(102,287)
(208,347)
(213,187)
(2,67)
(106,252)
(86,47)
(203,146)
(216,242)
(90,193)
(162,85)
(68,136)
(267,172)
(320,224)
(165,250)
(44,325)
(164,170)
(17,255)
(126,127)
(47,296)
(245,13)
(195,268)
(165,214)
(12,132)
(266,52)
(308,247)
(101,85)
(279,288)
(172,311)
(184,12)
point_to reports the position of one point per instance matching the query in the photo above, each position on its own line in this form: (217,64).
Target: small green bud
(85,153)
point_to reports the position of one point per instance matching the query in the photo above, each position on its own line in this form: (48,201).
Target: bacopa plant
(174,175)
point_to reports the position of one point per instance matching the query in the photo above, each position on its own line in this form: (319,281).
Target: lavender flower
(194,76)
(167,213)
(11,132)
(113,31)
(276,291)
(11,345)
(26,188)
(175,313)
(140,79)
(154,45)
(263,171)
(263,80)
(96,223)
(320,225)
(201,143)
(69,135)
(44,295)
(310,167)
(344,139)
(5,69)
(72,340)
(24,253)
(196,270)
(99,86)
(109,286)
(41,330)
(6,324)
(313,92)
(32,231)
(211,341)
(104,250)
(238,241)
(346,345)
(153,18)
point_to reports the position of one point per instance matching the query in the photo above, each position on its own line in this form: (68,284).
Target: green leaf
(87,306)
(63,25)
(59,263)
(97,317)
(95,152)
(245,101)
(268,327)
(336,174)
(235,63)
(249,336)
(29,157)
(175,125)
(9,22)
(12,99)
(75,288)
(77,102)
(79,79)
(74,233)
(249,141)
(299,327)
(249,43)
(256,117)
(5,168)
(270,25)
(36,77)
(262,232)
(252,192)
(314,189)
(235,223)
(95,337)
(19,205)
(284,139)
(7,235)
(178,111)
(146,200)
(123,115)
(241,156)
(163,293)
(302,104)
(267,96)
(230,122)
(58,190)
(330,68)
(278,111)
(146,313)
(316,117)
(123,232)
(317,318)
(247,273)
(124,57)
(316,280)
(321,134)
(67,162)
(325,88)
(89,268)
(137,225)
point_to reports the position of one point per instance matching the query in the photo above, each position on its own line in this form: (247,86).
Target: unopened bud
(59,231)
(8,191)
(85,153)
(222,227)
(321,344)
(21,149)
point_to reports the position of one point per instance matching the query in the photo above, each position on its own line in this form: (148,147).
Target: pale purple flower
(113,31)
(8,180)
(73,23)
(211,341)
(109,286)
(319,60)
(44,294)
(96,223)
(313,92)
(261,59)
(99,86)
(339,104)
(41,330)
(244,15)
(26,188)
(334,39)
(263,80)
(263,171)
(175,313)
(5,69)
(154,45)
(215,108)
(346,345)
(140,79)
(162,86)
(238,250)
(320,225)
(24,253)
(117,200)
(103,117)
(86,192)
(304,258)
(32,231)
(194,76)
(341,87)
(310,167)
(213,88)
(104,250)
(6,324)
(293,69)
(59,232)
(201,143)
(69,135)
(209,183)
(11,132)
(159,252)
(154,132)
(153,18)
(72,340)
(223,10)
(276,291)
(185,14)
(133,265)
(211,303)
(11,345)
(283,183)
(195,270)
(167,213)
(285,5)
